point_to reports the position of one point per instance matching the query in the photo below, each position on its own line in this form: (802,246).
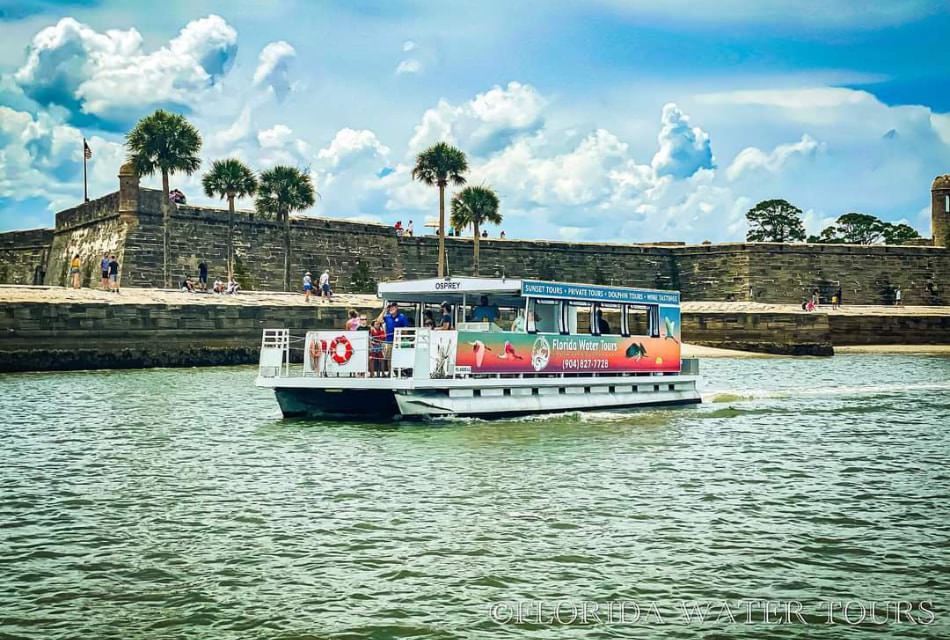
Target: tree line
(781,221)
(167,143)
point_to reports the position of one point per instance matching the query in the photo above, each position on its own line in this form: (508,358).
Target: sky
(603,120)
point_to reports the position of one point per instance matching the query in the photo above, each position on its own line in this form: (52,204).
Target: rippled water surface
(177,503)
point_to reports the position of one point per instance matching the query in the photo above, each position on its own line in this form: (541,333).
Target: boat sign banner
(553,353)
(596,293)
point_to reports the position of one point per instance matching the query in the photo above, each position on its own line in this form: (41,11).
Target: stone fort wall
(358,254)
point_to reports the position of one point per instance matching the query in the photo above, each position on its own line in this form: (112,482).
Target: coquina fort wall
(128,223)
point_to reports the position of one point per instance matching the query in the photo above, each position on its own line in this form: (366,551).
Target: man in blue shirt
(484,312)
(393,319)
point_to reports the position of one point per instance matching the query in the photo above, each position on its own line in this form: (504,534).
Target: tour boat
(506,347)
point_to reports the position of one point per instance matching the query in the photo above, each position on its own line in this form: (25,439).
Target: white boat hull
(357,398)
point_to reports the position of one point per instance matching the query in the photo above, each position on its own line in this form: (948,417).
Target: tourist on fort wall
(325,291)
(113,274)
(409,229)
(104,268)
(188,285)
(74,267)
(834,301)
(307,286)
(840,299)
(501,235)
(233,287)
(354,320)
(898,301)
(814,298)
(398,228)
(203,275)
(218,286)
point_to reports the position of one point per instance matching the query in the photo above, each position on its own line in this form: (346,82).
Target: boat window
(637,320)
(543,316)
(654,314)
(606,319)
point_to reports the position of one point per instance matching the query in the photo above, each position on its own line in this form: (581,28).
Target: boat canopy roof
(508,292)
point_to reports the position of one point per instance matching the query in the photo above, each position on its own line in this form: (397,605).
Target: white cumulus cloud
(484,124)
(683,149)
(752,158)
(111,77)
(273,68)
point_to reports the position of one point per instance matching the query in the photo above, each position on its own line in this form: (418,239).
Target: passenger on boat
(354,321)
(392,320)
(603,327)
(445,324)
(428,321)
(518,324)
(484,312)
(377,338)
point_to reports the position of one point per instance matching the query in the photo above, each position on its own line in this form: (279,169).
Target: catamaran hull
(360,404)
(365,404)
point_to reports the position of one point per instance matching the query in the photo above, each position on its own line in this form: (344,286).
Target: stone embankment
(52,328)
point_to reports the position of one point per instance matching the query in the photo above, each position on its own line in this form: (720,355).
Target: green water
(177,504)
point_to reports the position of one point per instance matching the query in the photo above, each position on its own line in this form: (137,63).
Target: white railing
(275,353)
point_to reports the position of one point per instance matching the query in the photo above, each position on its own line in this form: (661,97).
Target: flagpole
(85,183)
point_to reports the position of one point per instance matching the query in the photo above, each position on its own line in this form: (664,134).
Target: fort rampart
(129,223)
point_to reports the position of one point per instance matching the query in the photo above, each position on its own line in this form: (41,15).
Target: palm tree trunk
(441,230)
(230,238)
(475,267)
(286,252)
(166,215)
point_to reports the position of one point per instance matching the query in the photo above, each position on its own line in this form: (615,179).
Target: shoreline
(59,329)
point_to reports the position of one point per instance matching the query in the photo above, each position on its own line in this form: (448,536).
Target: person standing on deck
(392,319)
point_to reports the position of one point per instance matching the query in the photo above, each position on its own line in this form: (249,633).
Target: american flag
(86,150)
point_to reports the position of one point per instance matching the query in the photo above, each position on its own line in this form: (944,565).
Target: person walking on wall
(113,274)
(104,269)
(307,286)
(325,286)
(838,295)
(203,275)
(74,267)
(898,301)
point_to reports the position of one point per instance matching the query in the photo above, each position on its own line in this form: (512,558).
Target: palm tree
(281,191)
(168,143)
(475,206)
(439,165)
(230,178)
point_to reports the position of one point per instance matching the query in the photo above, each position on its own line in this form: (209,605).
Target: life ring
(341,358)
(317,348)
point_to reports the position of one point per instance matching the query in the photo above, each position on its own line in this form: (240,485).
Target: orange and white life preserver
(338,357)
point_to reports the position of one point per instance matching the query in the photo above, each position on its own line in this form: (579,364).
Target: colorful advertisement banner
(488,352)
(508,352)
